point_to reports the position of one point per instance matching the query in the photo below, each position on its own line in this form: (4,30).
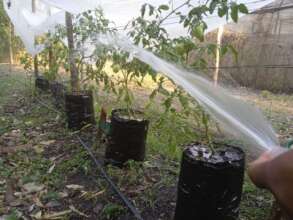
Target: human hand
(257,170)
(276,174)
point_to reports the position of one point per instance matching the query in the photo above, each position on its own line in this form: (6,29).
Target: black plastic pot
(79,109)
(42,83)
(210,188)
(127,138)
(58,91)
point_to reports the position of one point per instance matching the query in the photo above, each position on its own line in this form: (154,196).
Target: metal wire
(254,66)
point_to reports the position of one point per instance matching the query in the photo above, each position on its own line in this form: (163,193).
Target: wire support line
(272,9)
(254,66)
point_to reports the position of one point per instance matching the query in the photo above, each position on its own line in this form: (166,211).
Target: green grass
(8,81)
(256,203)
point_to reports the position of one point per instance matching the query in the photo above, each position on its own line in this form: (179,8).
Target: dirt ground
(46,174)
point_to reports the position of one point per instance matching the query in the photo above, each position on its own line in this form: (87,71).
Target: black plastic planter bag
(58,91)
(127,139)
(42,83)
(79,109)
(210,189)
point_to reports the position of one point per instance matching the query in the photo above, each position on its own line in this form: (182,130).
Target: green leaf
(163,7)
(142,10)
(153,94)
(242,8)
(183,101)
(186,23)
(152,9)
(234,52)
(222,11)
(167,103)
(145,42)
(234,12)
(223,50)
(212,49)
(198,31)
(213,6)
(163,91)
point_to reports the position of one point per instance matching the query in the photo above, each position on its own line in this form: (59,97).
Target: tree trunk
(10,46)
(36,66)
(73,68)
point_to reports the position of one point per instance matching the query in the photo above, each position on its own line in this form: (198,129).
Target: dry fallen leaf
(63,194)
(10,150)
(31,208)
(38,202)
(74,187)
(9,194)
(53,204)
(32,187)
(16,203)
(47,143)
(56,158)
(38,215)
(38,149)
(51,168)
(99,207)
(56,215)
(90,195)
(77,211)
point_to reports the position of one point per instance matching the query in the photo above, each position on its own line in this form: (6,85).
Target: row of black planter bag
(209,187)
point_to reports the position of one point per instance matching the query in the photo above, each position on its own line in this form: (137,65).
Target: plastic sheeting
(236,117)
(49,14)
(21,25)
(73,6)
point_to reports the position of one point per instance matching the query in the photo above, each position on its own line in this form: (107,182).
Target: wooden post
(10,47)
(36,66)
(51,55)
(73,68)
(219,42)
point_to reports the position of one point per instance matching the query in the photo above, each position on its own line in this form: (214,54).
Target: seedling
(112,211)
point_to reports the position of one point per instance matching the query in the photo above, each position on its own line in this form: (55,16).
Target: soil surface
(45,173)
(219,156)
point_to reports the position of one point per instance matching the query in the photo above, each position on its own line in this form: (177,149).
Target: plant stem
(205,120)
(173,11)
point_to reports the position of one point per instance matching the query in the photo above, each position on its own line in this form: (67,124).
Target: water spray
(236,117)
